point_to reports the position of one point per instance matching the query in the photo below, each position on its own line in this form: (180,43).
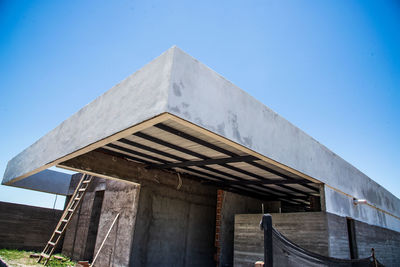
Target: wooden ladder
(69,211)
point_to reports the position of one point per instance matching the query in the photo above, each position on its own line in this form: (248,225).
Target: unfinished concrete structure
(182,132)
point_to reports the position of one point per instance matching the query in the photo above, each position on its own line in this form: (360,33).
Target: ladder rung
(45,255)
(67,215)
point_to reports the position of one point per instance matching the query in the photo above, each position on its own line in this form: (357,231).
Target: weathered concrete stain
(187,115)
(141,96)
(199,121)
(233,121)
(214,101)
(177,89)
(175,109)
(203,97)
(221,128)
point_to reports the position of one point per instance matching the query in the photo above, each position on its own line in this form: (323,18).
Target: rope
(180,181)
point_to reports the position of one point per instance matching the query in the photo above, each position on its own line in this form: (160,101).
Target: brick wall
(218,217)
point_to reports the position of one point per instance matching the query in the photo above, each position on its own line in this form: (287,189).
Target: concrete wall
(48,181)
(178,84)
(309,230)
(75,239)
(342,205)
(319,232)
(385,242)
(87,228)
(122,198)
(246,121)
(26,227)
(233,204)
(174,227)
(338,236)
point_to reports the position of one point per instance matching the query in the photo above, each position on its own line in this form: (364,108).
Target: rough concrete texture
(139,97)
(75,239)
(26,227)
(233,204)
(311,230)
(243,119)
(46,181)
(122,198)
(174,227)
(343,205)
(320,232)
(385,242)
(178,84)
(119,197)
(338,236)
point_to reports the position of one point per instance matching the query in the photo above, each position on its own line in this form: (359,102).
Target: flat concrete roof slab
(139,97)
(47,181)
(207,99)
(178,85)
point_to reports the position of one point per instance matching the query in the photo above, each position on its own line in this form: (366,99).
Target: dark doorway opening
(94,225)
(352,238)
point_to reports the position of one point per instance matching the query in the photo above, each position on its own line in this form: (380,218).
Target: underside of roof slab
(177,88)
(175,145)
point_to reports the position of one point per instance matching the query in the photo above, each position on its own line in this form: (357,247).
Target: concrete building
(194,150)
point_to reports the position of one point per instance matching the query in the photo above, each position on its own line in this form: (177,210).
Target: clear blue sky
(330,67)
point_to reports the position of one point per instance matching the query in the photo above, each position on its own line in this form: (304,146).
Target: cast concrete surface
(139,97)
(26,227)
(178,84)
(46,181)
(320,232)
(200,95)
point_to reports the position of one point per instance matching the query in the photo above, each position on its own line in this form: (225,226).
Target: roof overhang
(171,143)
(176,113)
(47,181)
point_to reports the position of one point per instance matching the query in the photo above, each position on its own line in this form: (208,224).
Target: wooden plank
(224,151)
(135,128)
(239,147)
